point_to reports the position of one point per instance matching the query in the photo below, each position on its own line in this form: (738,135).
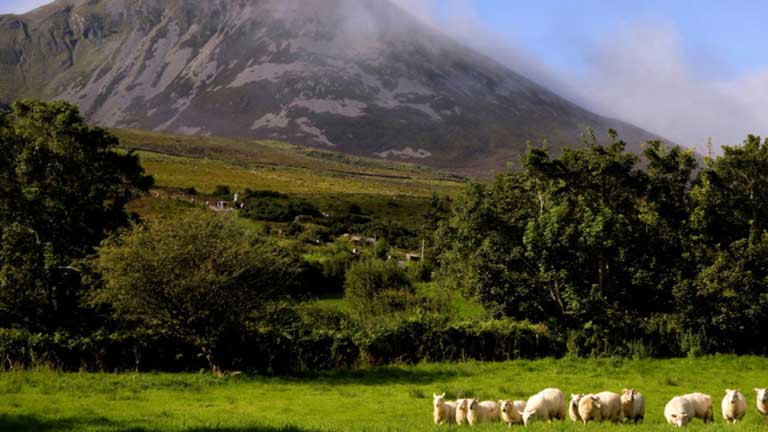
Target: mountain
(358,76)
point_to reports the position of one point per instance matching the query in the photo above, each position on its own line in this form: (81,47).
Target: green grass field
(378,399)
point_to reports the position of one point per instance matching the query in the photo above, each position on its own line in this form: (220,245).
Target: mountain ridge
(361,77)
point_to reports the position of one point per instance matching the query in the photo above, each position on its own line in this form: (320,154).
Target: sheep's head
(461,405)
(575,398)
(527,416)
(473,403)
(507,407)
(628,395)
(762,394)
(438,400)
(732,396)
(679,419)
(588,405)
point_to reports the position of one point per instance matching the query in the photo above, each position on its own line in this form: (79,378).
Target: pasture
(395,398)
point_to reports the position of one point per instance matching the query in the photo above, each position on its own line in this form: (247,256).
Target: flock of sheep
(550,404)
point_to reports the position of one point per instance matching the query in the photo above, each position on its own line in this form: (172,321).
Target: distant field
(330,180)
(378,399)
(180,160)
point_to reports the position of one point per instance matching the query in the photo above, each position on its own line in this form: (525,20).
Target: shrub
(196,276)
(276,207)
(222,191)
(367,279)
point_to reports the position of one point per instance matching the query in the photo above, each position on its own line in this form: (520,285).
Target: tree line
(596,251)
(607,247)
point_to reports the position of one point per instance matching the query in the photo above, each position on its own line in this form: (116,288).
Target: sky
(687,70)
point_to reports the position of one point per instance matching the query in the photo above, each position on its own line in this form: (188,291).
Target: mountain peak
(360,76)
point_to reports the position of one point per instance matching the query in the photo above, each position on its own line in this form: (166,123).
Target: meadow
(332,181)
(392,398)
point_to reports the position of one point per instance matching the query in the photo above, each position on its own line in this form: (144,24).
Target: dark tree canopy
(63,188)
(598,238)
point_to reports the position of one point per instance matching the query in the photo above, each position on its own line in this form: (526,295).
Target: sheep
(702,405)
(734,406)
(510,411)
(679,411)
(462,406)
(544,405)
(762,400)
(485,411)
(573,406)
(602,406)
(633,404)
(444,412)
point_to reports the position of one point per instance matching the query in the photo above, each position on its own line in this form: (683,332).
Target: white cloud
(639,75)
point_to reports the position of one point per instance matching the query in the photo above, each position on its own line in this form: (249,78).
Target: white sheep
(600,407)
(544,405)
(679,411)
(510,411)
(633,404)
(573,406)
(734,406)
(480,412)
(762,400)
(462,406)
(702,405)
(444,412)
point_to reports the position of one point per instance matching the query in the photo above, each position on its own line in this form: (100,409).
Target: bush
(222,191)
(276,207)
(421,271)
(197,276)
(367,279)
(335,259)
(315,339)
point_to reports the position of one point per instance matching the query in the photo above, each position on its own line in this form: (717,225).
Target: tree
(63,188)
(197,276)
(731,194)
(482,252)
(573,240)
(728,300)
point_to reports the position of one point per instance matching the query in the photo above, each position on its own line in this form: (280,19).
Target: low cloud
(639,75)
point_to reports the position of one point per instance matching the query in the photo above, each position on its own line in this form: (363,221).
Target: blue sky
(688,70)
(20,6)
(726,38)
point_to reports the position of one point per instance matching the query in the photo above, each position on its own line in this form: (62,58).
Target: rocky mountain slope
(359,76)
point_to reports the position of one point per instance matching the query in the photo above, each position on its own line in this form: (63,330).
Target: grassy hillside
(330,180)
(381,399)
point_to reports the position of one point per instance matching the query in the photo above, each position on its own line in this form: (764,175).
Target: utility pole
(423,244)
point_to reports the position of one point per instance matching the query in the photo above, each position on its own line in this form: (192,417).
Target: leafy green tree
(197,276)
(482,251)
(575,240)
(728,300)
(731,194)
(63,188)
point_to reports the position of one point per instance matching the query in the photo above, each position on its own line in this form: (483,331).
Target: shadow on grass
(383,375)
(31,423)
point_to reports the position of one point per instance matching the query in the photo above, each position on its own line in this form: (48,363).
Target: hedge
(276,351)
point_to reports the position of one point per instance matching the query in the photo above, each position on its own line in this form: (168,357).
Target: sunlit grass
(377,399)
